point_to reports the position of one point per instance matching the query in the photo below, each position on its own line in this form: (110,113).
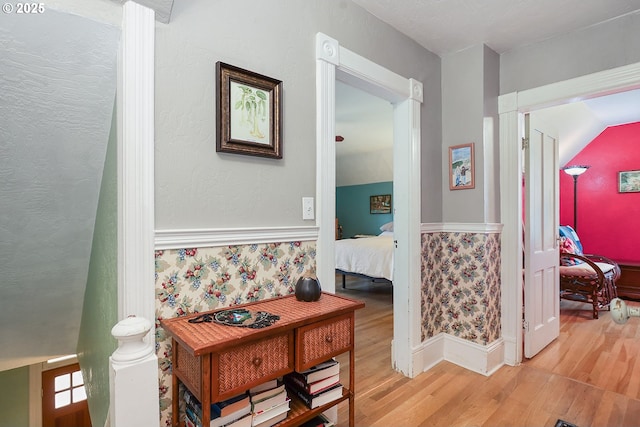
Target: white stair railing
(133,374)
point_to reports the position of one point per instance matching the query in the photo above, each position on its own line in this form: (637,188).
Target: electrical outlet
(307,208)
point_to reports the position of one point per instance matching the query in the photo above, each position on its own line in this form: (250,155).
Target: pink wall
(608,221)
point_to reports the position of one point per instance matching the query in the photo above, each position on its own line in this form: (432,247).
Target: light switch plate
(307,208)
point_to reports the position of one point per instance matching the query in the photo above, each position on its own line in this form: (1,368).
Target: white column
(136,179)
(134,366)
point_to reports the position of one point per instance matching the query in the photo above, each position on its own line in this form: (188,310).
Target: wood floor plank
(589,376)
(610,410)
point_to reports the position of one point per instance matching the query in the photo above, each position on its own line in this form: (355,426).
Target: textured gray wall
(491,139)
(601,47)
(462,113)
(470,89)
(199,188)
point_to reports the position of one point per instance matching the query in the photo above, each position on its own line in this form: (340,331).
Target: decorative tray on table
(239,317)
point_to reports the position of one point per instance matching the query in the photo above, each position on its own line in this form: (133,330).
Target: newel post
(133,374)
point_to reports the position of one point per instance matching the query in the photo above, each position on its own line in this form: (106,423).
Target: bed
(369,257)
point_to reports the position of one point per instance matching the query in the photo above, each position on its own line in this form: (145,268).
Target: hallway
(590,376)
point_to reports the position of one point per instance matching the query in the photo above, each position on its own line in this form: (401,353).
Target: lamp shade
(575,170)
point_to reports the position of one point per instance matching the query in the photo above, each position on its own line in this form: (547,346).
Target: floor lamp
(575,171)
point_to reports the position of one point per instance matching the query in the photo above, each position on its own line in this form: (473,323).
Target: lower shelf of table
(299,412)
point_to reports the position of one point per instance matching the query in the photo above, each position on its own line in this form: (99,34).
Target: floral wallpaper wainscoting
(461,286)
(202,279)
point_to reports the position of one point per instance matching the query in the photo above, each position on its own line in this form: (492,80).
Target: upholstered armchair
(584,277)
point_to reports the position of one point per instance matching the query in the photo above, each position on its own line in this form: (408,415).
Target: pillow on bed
(386,233)
(387,227)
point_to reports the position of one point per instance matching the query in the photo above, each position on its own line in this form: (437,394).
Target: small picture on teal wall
(380,204)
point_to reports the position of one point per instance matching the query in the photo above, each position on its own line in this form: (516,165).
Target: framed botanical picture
(629,181)
(380,204)
(248,112)
(461,167)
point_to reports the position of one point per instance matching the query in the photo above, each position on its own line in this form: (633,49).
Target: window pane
(79,394)
(76,378)
(62,382)
(63,399)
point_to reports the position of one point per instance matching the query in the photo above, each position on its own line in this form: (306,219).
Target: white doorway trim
(511,107)
(335,62)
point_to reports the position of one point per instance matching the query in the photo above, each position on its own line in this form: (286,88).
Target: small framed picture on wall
(461,167)
(248,112)
(380,204)
(629,181)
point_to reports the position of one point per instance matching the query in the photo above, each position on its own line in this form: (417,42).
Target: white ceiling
(579,123)
(448,26)
(363,120)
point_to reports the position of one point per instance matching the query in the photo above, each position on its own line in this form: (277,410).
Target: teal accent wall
(100,311)
(14,404)
(352,208)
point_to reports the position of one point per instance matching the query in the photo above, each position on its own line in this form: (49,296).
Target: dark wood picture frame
(629,181)
(380,204)
(248,112)
(462,168)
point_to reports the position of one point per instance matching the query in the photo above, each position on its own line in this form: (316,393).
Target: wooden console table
(216,362)
(628,284)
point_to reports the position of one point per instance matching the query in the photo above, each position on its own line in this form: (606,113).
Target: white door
(541,283)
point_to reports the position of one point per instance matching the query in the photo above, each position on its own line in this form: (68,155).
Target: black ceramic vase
(308,289)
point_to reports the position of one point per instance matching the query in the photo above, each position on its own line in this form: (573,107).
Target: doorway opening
(334,62)
(364,174)
(512,108)
(64,397)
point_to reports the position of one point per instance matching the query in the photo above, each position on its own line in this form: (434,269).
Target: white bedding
(371,256)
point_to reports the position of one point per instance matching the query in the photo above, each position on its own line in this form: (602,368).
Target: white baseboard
(429,354)
(511,351)
(478,358)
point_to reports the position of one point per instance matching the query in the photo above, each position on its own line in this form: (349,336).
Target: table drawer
(247,365)
(323,340)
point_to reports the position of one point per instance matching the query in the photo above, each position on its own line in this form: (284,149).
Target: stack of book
(318,385)
(233,412)
(269,403)
(320,420)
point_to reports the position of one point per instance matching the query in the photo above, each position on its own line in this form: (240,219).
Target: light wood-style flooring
(589,376)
